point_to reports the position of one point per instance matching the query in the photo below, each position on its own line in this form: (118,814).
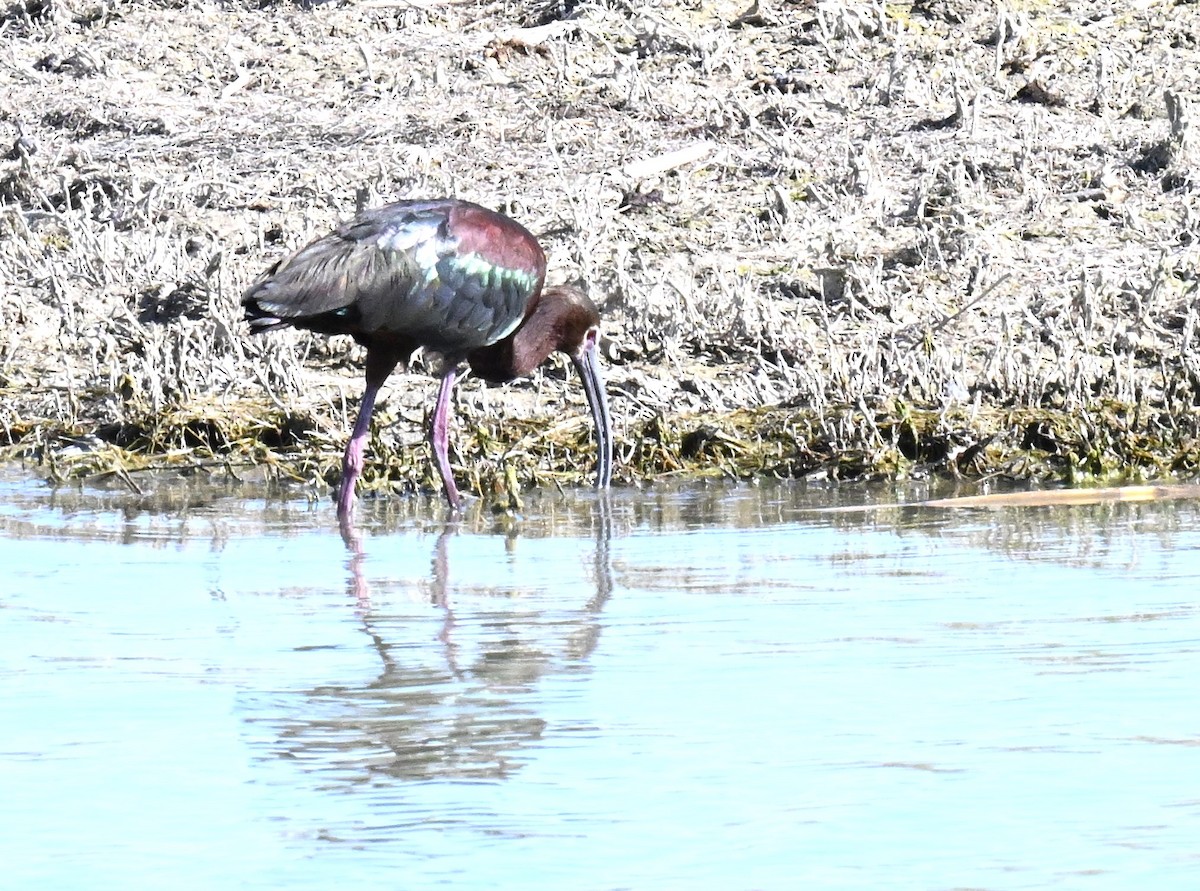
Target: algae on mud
(831,239)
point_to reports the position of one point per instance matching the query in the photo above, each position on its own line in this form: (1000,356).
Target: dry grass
(953,236)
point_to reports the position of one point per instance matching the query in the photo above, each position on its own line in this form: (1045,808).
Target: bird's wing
(398,270)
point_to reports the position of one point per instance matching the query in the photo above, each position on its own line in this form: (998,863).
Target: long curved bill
(588,365)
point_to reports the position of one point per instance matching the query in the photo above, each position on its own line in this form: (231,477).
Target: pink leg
(379,365)
(439,439)
(352,463)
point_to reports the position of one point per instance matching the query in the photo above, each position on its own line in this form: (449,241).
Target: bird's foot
(345,503)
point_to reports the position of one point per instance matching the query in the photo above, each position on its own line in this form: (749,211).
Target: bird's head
(578,335)
(571,318)
(567,321)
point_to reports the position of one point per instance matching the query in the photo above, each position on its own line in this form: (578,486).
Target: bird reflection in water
(359,586)
(456,703)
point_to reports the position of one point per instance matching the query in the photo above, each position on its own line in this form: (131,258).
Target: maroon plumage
(447,275)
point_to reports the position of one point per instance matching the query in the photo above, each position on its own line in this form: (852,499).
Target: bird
(447,275)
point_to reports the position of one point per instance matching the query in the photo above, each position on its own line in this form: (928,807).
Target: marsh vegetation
(830,239)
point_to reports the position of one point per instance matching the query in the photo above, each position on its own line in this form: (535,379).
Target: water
(710,687)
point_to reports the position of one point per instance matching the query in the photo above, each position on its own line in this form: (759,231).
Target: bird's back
(448,275)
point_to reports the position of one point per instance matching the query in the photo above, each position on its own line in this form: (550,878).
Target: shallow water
(709,687)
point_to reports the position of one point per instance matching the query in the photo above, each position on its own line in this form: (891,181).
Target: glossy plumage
(446,275)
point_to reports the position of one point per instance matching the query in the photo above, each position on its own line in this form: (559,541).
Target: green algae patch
(895,443)
(498,458)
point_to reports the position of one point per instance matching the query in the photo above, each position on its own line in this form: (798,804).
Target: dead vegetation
(832,239)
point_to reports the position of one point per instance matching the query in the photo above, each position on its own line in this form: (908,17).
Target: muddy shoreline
(829,240)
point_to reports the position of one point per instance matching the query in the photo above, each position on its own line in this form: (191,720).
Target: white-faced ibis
(446,275)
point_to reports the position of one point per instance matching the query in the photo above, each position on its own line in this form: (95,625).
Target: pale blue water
(713,687)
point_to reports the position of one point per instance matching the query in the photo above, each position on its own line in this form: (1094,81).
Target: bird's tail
(258,318)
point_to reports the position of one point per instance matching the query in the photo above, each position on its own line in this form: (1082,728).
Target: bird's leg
(439,438)
(352,462)
(378,368)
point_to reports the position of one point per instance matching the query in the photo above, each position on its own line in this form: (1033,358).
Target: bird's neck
(519,353)
(559,320)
